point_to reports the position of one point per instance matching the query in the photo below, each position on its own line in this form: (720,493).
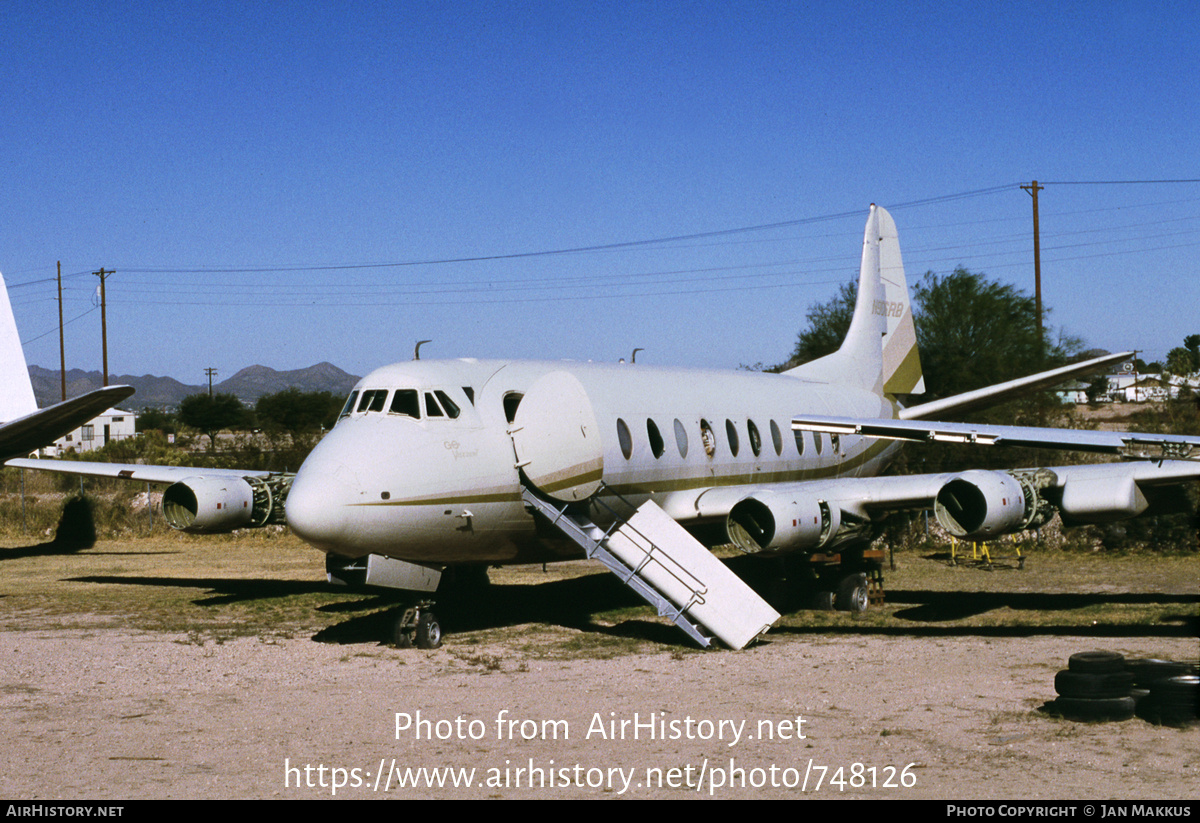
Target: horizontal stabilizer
(41,428)
(1126,444)
(1003,392)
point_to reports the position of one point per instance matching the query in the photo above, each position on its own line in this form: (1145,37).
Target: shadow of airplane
(575,603)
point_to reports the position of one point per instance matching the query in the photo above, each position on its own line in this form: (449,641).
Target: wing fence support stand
(982,556)
(668,568)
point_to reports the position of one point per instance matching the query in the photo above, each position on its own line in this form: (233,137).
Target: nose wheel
(417,626)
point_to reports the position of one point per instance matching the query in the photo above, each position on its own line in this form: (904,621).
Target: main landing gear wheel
(429,631)
(418,626)
(853,594)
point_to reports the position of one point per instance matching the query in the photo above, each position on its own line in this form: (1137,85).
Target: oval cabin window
(656,440)
(625,438)
(681,439)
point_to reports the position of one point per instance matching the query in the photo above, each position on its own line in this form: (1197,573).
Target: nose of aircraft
(317,504)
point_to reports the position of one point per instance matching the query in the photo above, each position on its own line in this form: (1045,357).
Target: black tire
(1093,686)
(1078,708)
(853,594)
(429,631)
(401,634)
(1098,662)
(822,601)
(1177,692)
(1146,671)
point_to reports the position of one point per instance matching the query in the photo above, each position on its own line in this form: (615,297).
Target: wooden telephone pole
(103,320)
(62,345)
(1033,188)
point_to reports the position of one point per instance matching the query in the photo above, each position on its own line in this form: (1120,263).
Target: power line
(1111,182)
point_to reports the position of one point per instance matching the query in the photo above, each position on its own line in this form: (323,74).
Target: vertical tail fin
(880,349)
(16,391)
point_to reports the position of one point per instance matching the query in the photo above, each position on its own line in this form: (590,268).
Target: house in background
(114,424)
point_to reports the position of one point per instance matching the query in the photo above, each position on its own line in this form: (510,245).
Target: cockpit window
(349,407)
(432,409)
(452,410)
(407,403)
(373,400)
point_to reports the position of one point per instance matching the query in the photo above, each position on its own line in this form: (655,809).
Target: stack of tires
(1094,686)
(1105,686)
(1166,692)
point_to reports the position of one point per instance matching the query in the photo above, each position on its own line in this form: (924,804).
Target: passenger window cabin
(657,446)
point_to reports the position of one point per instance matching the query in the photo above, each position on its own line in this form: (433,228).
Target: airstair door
(557,438)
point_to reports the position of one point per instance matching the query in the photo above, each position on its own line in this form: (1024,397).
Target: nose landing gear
(417,626)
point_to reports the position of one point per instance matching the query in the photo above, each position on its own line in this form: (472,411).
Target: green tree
(974,332)
(210,414)
(155,420)
(1098,387)
(827,326)
(971,332)
(298,413)
(1180,361)
(1192,344)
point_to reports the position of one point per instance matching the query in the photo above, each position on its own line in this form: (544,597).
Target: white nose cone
(318,504)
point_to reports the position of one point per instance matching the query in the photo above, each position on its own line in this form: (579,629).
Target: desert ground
(177,667)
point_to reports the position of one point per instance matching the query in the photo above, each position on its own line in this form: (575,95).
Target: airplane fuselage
(427,461)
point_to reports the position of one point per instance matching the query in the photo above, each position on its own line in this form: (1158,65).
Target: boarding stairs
(667,567)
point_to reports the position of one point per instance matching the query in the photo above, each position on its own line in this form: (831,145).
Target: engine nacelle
(980,504)
(771,521)
(1102,499)
(221,504)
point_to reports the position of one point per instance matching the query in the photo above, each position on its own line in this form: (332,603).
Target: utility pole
(62,346)
(210,372)
(1033,188)
(103,320)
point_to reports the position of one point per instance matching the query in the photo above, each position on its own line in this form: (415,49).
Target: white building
(114,424)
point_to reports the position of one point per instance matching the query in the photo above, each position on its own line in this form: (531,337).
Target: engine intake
(982,504)
(204,505)
(770,521)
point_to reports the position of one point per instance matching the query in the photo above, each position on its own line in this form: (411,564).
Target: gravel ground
(117,714)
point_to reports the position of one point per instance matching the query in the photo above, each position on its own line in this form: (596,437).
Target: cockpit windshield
(404,402)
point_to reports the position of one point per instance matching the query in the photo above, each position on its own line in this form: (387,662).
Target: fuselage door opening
(557,439)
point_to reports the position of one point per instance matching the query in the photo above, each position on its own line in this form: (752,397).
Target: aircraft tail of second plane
(880,348)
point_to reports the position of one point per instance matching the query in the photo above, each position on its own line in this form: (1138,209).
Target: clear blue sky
(169,141)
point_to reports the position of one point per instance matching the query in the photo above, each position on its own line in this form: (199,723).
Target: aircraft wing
(197,500)
(44,426)
(1139,445)
(974,505)
(990,396)
(132,471)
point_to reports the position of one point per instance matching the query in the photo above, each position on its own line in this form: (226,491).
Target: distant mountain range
(247,385)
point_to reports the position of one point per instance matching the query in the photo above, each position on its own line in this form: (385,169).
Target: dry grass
(268,584)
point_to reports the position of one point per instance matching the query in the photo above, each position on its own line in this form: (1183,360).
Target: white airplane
(23,427)
(436,464)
